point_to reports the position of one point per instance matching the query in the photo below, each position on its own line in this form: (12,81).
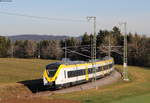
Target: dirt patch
(12,90)
(38,100)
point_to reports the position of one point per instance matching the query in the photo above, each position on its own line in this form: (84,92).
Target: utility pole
(109,48)
(65,51)
(93,47)
(125,69)
(39,50)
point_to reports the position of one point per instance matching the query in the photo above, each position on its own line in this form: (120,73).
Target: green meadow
(137,90)
(15,70)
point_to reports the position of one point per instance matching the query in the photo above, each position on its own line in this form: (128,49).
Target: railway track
(109,79)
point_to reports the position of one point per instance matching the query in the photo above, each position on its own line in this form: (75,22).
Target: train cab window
(51,72)
(52,68)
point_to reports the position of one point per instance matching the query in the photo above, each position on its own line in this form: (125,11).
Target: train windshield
(52,68)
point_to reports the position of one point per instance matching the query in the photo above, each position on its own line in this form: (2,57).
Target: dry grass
(15,70)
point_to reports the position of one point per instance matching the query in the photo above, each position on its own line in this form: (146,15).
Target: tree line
(80,48)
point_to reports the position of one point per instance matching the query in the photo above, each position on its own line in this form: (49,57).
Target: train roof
(69,62)
(53,64)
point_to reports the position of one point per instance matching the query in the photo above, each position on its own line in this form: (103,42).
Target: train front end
(50,74)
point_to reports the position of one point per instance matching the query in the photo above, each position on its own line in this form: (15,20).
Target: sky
(108,13)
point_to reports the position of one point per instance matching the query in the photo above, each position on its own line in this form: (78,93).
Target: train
(60,74)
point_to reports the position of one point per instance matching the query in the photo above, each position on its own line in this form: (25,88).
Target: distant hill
(36,37)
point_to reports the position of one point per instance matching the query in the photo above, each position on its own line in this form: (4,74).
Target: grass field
(15,70)
(18,70)
(135,91)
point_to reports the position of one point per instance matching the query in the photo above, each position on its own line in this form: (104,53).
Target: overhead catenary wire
(77,46)
(44,18)
(79,53)
(41,17)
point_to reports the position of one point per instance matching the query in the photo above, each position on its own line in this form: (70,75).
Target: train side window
(70,74)
(111,65)
(76,73)
(105,67)
(89,70)
(83,72)
(99,69)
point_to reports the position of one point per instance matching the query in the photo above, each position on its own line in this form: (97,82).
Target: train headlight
(45,81)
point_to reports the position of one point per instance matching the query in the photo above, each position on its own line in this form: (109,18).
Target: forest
(80,48)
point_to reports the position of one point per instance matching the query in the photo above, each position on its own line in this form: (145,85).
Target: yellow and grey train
(63,75)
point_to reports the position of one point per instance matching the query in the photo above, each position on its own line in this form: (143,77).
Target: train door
(65,76)
(77,77)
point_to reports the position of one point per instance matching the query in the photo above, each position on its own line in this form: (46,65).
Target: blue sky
(108,12)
